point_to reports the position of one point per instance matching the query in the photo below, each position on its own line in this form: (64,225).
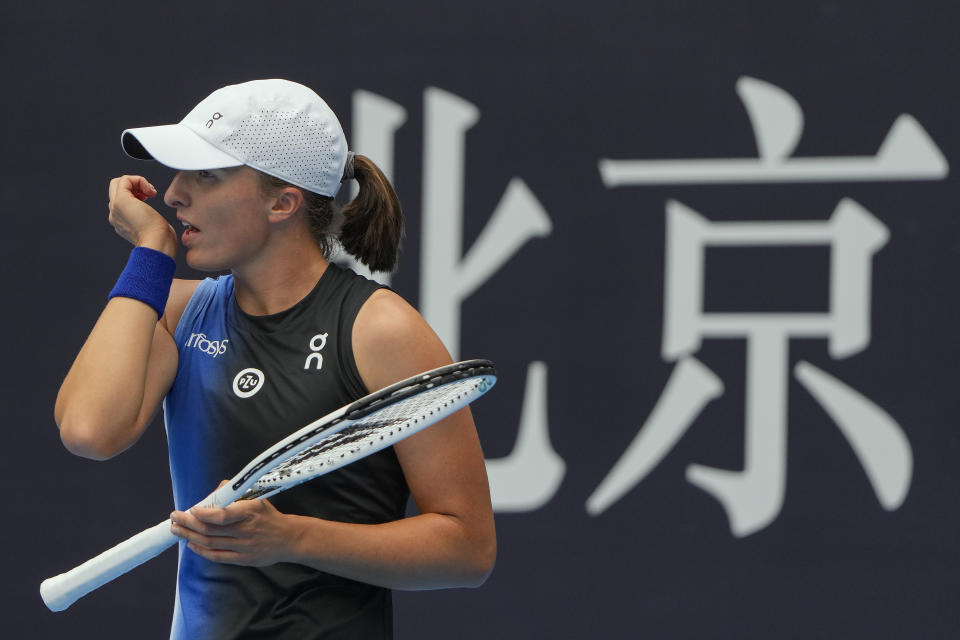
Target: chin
(197,263)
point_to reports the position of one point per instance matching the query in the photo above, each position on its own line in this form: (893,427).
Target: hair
(372,225)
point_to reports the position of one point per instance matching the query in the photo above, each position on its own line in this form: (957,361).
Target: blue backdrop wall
(710,246)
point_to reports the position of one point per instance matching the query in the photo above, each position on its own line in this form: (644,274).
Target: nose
(176,195)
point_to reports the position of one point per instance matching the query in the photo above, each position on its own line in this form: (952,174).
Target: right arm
(129,360)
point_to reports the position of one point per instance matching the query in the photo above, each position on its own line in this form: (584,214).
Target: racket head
(365,426)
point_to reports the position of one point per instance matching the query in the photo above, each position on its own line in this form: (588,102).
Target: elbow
(481,565)
(479,554)
(85,439)
(91,431)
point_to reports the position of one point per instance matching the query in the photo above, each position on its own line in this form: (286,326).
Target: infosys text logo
(211,347)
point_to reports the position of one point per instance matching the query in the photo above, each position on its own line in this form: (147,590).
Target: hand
(136,221)
(248,532)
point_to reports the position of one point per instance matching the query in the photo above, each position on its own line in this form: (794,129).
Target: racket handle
(63,590)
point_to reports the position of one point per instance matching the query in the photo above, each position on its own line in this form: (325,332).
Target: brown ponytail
(373,221)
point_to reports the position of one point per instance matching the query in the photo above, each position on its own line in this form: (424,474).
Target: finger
(141,188)
(138,186)
(182,520)
(144,189)
(222,556)
(121,185)
(187,520)
(221,543)
(219,516)
(184,525)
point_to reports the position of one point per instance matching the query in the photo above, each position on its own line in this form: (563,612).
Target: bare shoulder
(392,341)
(180,294)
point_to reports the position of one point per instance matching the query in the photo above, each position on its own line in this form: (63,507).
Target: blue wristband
(147,278)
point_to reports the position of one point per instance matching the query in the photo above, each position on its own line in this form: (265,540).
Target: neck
(276,285)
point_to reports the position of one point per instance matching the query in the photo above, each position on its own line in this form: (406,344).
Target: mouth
(188,231)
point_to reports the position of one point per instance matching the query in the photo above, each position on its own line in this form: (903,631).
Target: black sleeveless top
(244,382)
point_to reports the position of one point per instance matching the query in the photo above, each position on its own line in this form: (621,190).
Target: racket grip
(59,592)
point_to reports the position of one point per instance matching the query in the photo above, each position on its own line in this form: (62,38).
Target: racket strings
(374,431)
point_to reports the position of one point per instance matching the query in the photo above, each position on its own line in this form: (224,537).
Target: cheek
(241,228)
(237,217)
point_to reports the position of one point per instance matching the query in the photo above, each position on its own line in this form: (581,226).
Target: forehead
(238,177)
(237,173)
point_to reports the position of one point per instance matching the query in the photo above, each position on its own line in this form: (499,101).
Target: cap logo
(216,116)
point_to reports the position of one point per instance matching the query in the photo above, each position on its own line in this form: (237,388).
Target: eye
(203,173)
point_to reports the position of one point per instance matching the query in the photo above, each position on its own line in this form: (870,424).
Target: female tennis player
(242,360)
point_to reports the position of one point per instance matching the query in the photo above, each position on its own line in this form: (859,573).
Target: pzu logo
(248,382)
(211,347)
(317,343)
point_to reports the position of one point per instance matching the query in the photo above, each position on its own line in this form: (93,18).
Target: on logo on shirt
(317,343)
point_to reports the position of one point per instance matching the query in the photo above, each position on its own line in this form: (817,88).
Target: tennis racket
(350,433)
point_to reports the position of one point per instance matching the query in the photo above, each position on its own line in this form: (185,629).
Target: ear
(286,203)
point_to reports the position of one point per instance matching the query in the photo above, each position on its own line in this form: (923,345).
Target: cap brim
(175,146)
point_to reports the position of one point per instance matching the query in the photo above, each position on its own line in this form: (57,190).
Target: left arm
(451,543)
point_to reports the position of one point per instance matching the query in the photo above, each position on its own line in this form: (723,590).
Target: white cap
(278,127)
